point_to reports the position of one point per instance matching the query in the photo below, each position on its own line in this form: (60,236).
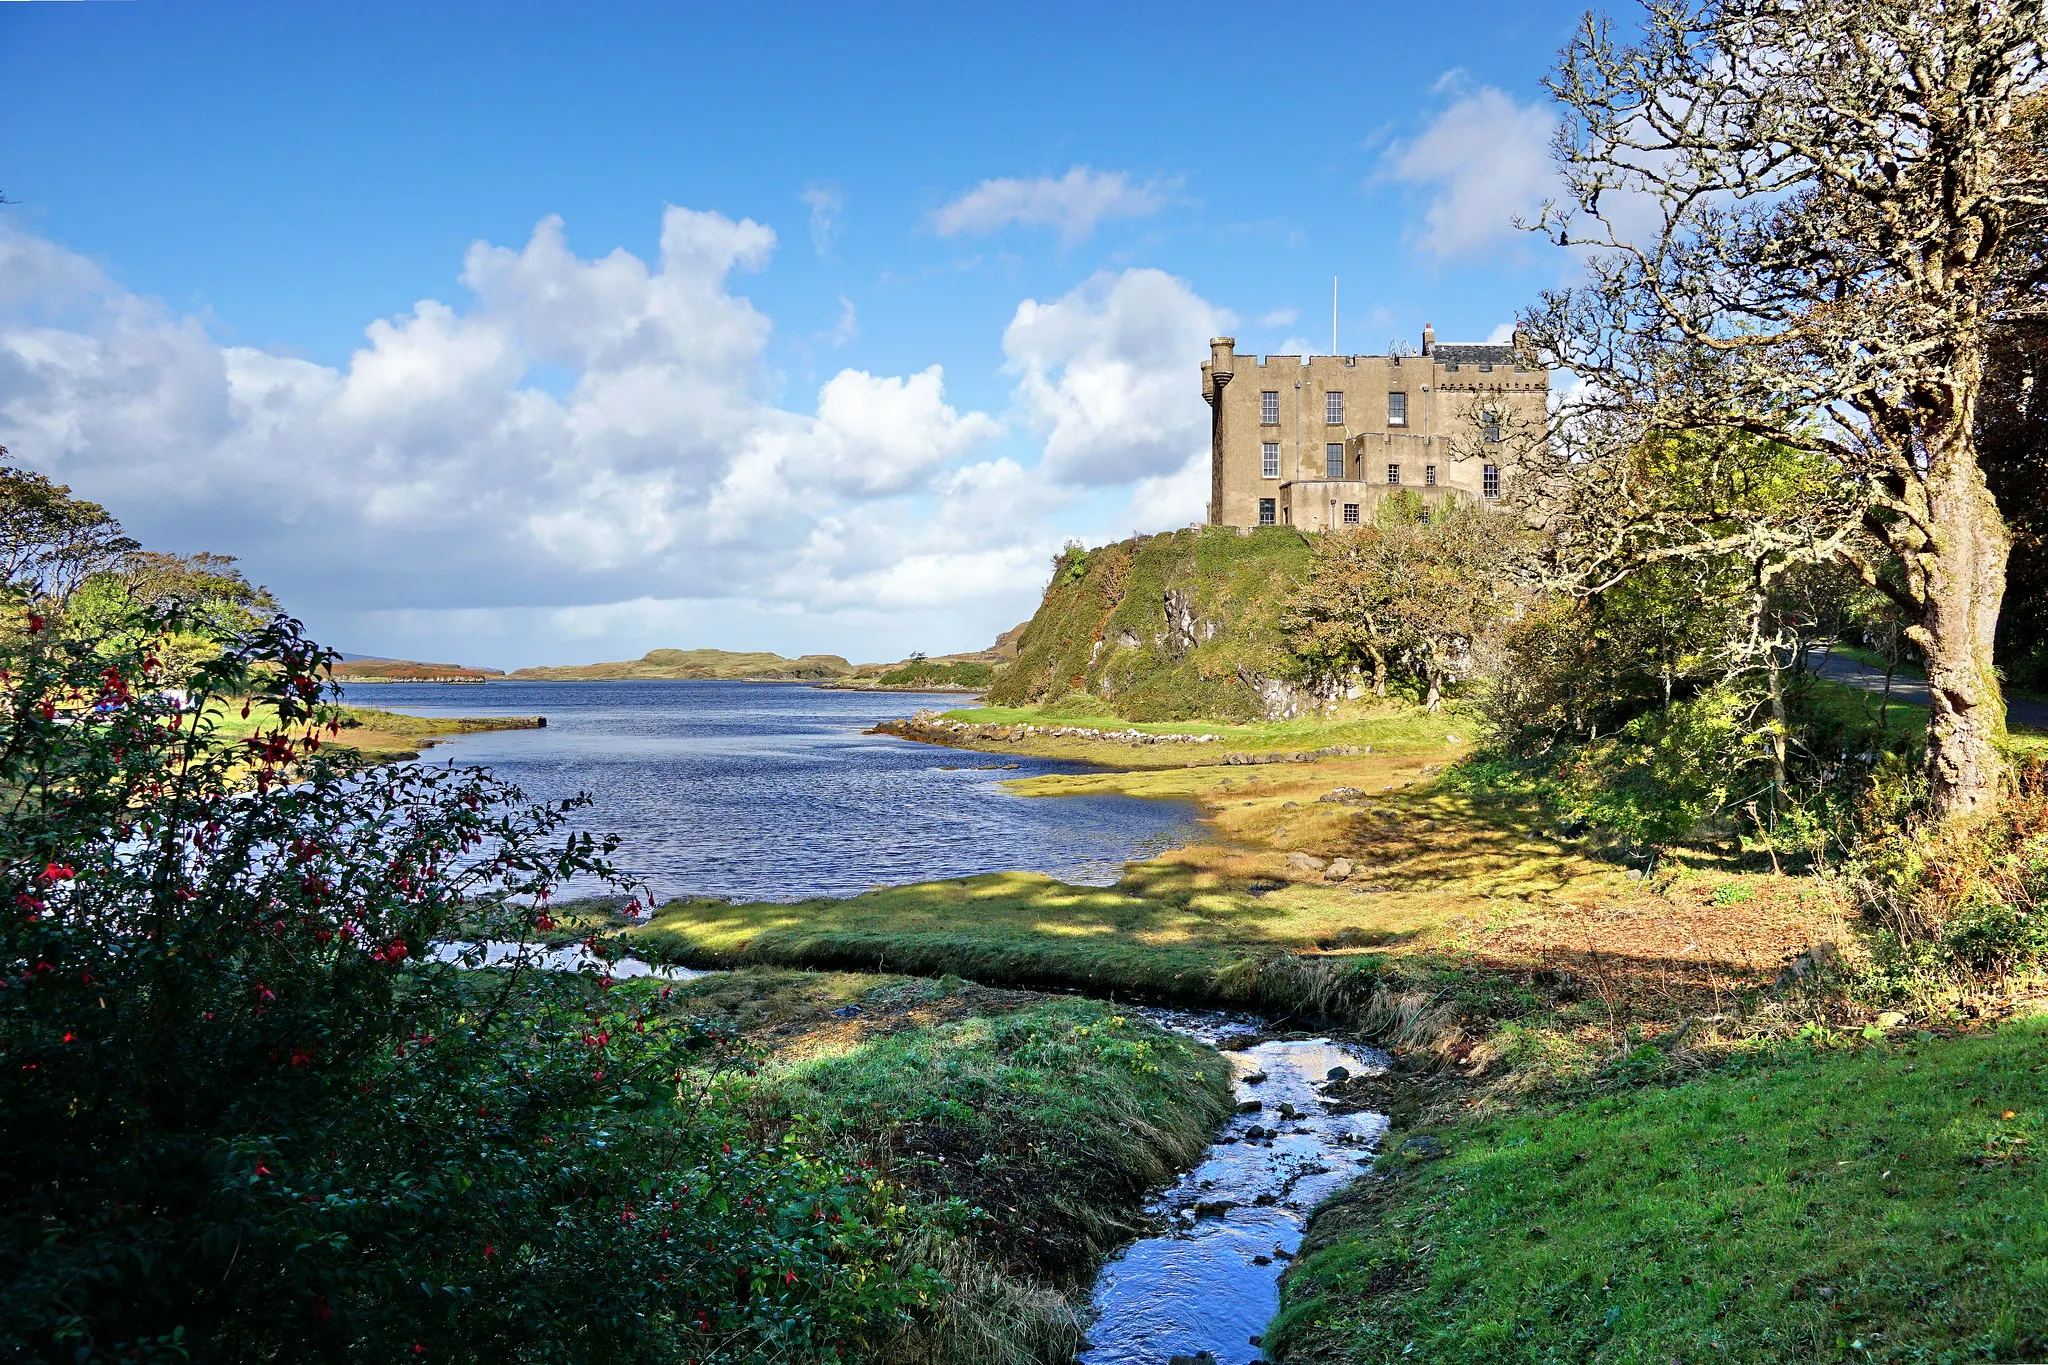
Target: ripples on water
(1199,1285)
(768,791)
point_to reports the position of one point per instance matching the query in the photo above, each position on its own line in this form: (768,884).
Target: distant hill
(358,668)
(709,664)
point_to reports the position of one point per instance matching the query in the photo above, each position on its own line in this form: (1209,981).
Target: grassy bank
(1029,1130)
(1871,1203)
(375,733)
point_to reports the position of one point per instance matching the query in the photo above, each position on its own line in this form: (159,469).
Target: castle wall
(1445,390)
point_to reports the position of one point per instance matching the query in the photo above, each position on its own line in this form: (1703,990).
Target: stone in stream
(1198,1358)
(1256,1078)
(1338,1073)
(1288,1111)
(1214,1208)
(1250,1106)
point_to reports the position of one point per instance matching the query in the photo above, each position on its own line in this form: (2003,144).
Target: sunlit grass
(1876,1205)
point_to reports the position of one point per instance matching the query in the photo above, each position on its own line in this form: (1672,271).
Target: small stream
(1204,1285)
(1209,1280)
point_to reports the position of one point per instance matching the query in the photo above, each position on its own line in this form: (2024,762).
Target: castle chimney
(1428,338)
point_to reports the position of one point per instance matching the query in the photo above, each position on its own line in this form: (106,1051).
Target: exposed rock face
(1184,629)
(1280,699)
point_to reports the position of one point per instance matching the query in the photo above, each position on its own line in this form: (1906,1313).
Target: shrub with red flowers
(247,1112)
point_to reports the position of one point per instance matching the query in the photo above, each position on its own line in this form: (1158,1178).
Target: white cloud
(1279,317)
(848,326)
(1501,335)
(1485,159)
(427,479)
(826,203)
(1074,204)
(1167,502)
(1107,373)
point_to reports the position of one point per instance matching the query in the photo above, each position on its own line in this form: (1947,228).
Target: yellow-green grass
(1880,1204)
(1202,924)
(374,733)
(1382,726)
(1053,1118)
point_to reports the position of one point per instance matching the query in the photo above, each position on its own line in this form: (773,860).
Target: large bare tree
(1801,221)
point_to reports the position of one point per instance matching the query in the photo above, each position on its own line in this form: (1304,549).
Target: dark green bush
(245,1117)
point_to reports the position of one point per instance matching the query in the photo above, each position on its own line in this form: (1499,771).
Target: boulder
(1339,869)
(1341,795)
(1338,1073)
(1305,862)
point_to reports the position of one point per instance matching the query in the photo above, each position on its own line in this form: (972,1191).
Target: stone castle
(1317,442)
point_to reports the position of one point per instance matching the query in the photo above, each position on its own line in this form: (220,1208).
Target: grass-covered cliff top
(711,664)
(1165,627)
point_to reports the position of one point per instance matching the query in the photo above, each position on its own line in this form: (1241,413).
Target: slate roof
(1447,353)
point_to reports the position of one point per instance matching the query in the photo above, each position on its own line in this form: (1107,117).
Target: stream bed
(1205,1285)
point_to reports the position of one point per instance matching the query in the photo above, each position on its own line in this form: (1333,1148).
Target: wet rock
(1337,1073)
(1288,1111)
(1339,869)
(1214,1208)
(1422,1147)
(1266,1199)
(1254,1133)
(1256,1078)
(1262,1260)
(1198,1358)
(1250,1106)
(1305,862)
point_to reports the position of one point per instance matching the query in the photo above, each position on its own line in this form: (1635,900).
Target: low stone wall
(932,728)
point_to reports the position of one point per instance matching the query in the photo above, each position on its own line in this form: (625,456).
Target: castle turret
(1221,367)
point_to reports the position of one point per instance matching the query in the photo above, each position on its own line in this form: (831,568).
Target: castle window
(1269,408)
(1490,482)
(1333,409)
(1429,475)
(1351,514)
(1269,460)
(1489,428)
(1393,474)
(1397,409)
(1266,511)
(1333,461)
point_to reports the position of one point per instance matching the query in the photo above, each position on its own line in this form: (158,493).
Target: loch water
(772,791)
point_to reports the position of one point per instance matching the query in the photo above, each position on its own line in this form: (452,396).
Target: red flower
(789,1277)
(262,1169)
(489,1251)
(35,624)
(70,1037)
(301,1058)
(58,872)
(321,1312)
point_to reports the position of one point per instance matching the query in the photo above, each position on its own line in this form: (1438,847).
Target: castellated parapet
(1318,441)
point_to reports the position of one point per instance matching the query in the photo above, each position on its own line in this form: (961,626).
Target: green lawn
(1884,1203)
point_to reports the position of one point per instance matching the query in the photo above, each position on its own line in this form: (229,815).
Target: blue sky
(333,288)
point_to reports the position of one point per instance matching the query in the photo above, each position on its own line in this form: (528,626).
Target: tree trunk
(1964,588)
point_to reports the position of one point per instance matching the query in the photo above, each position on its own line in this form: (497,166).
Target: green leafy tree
(1415,589)
(51,542)
(1803,224)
